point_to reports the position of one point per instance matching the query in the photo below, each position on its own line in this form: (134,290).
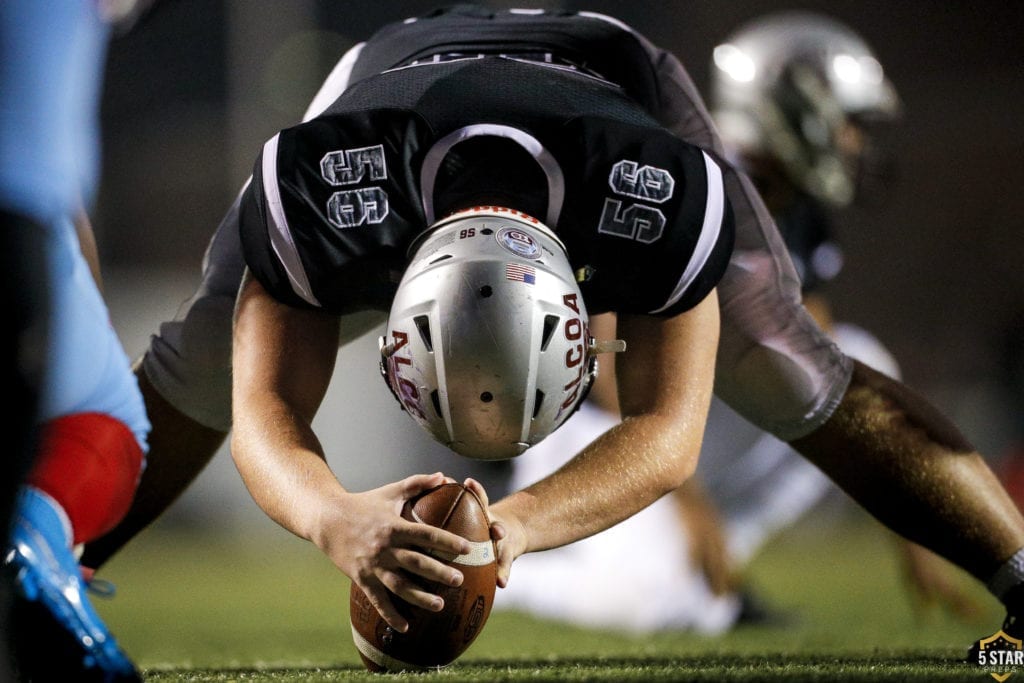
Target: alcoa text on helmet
(488,346)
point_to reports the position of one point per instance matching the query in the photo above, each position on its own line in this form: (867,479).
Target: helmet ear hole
(486,291)
(486,397)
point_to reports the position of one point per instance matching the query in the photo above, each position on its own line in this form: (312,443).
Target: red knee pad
(89,463)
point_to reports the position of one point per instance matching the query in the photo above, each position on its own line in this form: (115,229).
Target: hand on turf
(708,550)
(507,533)
(932,582)
(367,538)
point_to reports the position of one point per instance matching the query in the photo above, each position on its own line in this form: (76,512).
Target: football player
(801,102)
(462,95)
(77,421)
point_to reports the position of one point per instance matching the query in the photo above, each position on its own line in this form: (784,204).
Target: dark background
(933,265)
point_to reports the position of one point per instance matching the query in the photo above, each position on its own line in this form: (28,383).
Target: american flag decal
(520,273)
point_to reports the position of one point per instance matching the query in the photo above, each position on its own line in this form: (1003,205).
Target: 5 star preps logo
(1000,654)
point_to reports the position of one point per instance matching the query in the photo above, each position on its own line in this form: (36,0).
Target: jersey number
(635,220)
(353,207)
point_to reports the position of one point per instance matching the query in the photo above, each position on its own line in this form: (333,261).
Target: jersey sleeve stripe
(336,83)
(281,239)
(714,211)
(611,20)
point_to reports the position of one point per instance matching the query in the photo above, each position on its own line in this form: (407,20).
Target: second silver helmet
(785,85)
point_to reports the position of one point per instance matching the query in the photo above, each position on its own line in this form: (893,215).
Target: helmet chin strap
(606,346)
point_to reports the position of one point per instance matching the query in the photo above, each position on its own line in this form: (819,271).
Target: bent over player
(885,445)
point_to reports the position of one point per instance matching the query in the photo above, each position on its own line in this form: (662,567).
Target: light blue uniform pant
(52,55)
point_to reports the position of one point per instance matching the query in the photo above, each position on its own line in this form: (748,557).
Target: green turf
(203,608)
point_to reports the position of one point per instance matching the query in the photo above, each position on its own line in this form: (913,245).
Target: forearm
(619,474)
(665,382)
(282,360)
(282,465)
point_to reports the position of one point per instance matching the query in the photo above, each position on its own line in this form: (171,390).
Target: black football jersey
(595,43)
(335,202)
(807,230)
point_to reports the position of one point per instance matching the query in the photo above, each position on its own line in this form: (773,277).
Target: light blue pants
(52,56)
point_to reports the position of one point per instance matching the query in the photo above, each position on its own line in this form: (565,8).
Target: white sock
(1008,577)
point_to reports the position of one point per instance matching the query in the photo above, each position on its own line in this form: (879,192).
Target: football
(434,639)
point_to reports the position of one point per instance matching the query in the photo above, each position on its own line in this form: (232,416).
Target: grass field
(204,608)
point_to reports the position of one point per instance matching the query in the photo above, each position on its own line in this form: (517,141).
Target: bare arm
(665,383)
(279,381)
(283,359)
(708,552)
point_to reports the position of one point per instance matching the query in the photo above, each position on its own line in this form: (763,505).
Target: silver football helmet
(488,346)
(786,86)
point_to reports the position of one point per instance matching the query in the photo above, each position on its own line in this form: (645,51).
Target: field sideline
(205,608)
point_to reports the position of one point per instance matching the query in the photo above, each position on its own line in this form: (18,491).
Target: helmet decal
(520,273)
(518,242)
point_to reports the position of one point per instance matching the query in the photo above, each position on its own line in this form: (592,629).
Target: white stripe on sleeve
(335,84)
(714,210)
(281,239)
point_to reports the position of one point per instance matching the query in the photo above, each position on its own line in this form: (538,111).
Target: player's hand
(507,533)
(708,550)
(931,582)
(382,553)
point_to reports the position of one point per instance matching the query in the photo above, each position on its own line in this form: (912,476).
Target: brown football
(434,639)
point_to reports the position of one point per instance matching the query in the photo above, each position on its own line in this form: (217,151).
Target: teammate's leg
(185,380)
(80,486)
(93,441)
(52,56)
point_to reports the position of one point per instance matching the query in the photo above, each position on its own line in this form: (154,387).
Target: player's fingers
(478,489)
(408,590)
(716,568)
(429,568)
(377,594)
(431,538)
(416,484)
(505,554)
